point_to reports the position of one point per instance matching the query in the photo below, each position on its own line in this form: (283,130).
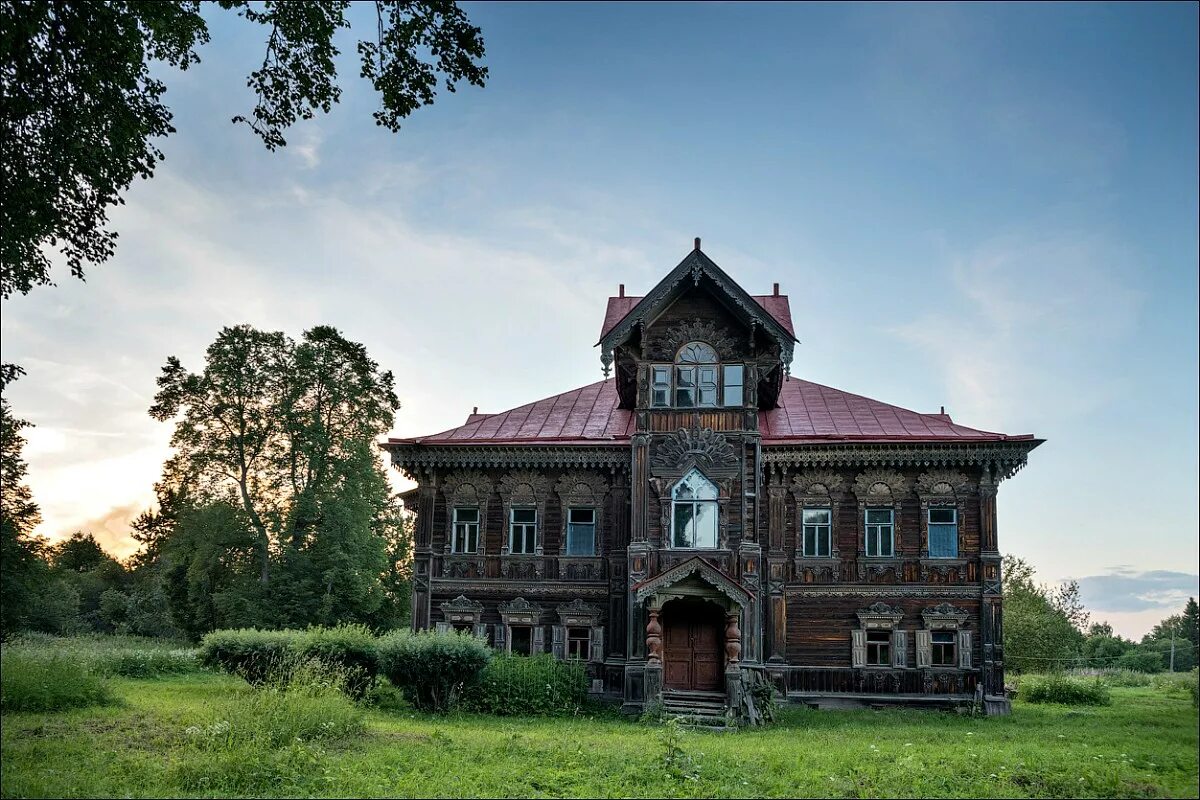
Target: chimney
(621,290)
(776,292)
(697,242)
(943,411)
(475,410)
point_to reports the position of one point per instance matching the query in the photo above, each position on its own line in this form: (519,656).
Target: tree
(83,107)
(23,555)
(1102,648)
(1190,629)
(1038,634)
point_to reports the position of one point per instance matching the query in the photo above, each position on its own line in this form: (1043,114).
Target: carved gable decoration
(880,615)
(577,612)
(698,447)
(523,486)
(581,487)
(817,484)
(467,487)
(666,344)
(520,612)
(943,483)
(701,569)
(944,616)
(880,485)
(460,609)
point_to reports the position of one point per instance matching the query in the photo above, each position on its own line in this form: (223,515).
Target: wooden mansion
(702,524)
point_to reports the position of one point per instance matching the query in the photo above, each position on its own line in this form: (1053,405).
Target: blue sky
(991,208)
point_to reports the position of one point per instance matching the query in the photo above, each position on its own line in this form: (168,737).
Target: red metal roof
(807,413)
(775,304)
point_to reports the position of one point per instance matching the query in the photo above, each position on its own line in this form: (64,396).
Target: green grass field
(171,736)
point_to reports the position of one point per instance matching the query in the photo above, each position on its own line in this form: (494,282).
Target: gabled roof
(694,266)
(774,304)
(808,413)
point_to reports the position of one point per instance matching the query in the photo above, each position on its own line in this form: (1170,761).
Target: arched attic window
(694,512)
(697,379)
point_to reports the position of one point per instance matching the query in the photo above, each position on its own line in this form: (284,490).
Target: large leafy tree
(84,102)
(1040,632)
(275,472)
(22,554)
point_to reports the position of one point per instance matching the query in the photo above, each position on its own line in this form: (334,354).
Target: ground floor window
(522,640)
(943,643)
(579,643)
(879,648)
(463,627)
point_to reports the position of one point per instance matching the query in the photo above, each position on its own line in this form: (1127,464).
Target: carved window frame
(943,489)
(454,522)
(579,614)
(817,490)
(520,613)
(464,611)
(523,489)
(877,489)
(466,489)
(719,503)
(879,617)
(581,490)
(945,617)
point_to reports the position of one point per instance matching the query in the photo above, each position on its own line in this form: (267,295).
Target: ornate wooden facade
(702,519)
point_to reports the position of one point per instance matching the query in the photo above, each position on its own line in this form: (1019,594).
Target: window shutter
(597,645)
(500,644)
(899,648)
(539,639)
(442,627)
(481,630)
(924,650)
(559,634)
(858,648)
(964,649)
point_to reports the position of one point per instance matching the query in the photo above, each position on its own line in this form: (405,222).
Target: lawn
(144,743)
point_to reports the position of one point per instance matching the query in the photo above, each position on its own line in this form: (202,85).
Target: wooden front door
(692,634)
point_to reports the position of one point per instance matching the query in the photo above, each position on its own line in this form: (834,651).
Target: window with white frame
(697,380)
(522,531)
(879,648)
(818,532)
(465,537)
(943,532)
(943,646)
(581,532)
(880,532)
(694,512)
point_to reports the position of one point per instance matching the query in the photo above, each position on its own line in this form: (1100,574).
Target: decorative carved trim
(667,343)
(466,485)
(577,612)
(460,609)
(524,487)
(412,459)
(944,616)
(943,483)
(520,607)
(702,569)
(703,448)
(819,483)
(1006,458)
(880,485)
(880,615)
(580,486)
(544,588)
(847,590)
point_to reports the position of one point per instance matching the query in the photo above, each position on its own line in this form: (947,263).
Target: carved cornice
(967,591)
(520,605)
(599,589)
(880,615)
(577,611)
(414,459)
(880,485)
(702,448)
(1005,457)
(938,483)
(944,615)
(461,603)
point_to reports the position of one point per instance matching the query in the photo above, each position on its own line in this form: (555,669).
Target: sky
(991,208)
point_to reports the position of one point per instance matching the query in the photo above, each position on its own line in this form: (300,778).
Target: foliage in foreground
(525,686)
(47,682)
(1065,690)
(124,656)
(433,669)
(262,657)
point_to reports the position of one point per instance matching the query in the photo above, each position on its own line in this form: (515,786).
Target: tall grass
(30,681)
(124,656)
(1065,690)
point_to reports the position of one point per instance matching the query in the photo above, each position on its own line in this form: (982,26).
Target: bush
(104,655)
(1065,690)
(1115,677)
(1176,684)
(433,669)
(536,685)
(352,648)
(32,681)
(249,653)
(1141,660)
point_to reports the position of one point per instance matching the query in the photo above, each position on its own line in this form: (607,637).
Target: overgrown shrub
(31,681)
(105,655)
(353,648)
(529,685)
(1065,690)
(249,653)
(433,669)
(1141,660)
(1114,677)
(1176,684)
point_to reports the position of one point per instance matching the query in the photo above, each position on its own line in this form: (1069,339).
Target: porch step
(700,710)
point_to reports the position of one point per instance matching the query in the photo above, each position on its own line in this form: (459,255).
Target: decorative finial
(697,242)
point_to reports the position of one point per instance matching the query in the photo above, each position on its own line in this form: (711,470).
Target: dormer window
(696,380)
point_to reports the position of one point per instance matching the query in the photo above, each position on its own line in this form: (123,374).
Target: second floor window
(880,532)
(465,538)
(943,533)
(817,532)
(523,531)
(694,512)
(697,380)
(581,532)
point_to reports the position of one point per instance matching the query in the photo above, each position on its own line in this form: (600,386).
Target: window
(880,532)
(817,532)
(734,376)
(522,640)
(662,386)
(581,532)
(463,627)
(943,643)
(708,386)
(466,531)
(579,643)
(685,387)
(694,512)
(943,533)
(523,531)
(879,648)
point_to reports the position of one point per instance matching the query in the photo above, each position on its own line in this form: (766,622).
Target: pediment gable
(689,572)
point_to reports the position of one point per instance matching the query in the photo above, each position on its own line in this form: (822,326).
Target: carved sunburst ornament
(704,447)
